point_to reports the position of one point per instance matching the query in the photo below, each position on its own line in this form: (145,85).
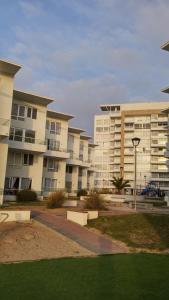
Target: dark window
(28,159)
(30,136)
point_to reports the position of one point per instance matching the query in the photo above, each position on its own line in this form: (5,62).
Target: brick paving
(94,242)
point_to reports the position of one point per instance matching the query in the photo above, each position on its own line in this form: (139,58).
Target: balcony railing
(24,139)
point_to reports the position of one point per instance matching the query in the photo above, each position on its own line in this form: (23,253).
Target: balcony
(73,159)
(27,144)
(57,152)
(4,127)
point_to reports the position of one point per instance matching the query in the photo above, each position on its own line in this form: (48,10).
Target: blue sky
(87,52)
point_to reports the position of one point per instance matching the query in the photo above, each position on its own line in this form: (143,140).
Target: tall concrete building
(38,148)
(114,129)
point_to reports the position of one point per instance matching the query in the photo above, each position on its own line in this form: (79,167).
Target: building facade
(38,149)
(114,156)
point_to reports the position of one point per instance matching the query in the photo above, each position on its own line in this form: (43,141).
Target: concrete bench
(81,217)
(14,216)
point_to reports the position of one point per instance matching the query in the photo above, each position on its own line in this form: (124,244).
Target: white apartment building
(36,146)
(114,156)
(166,111)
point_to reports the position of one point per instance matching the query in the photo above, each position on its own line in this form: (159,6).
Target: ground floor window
(13,184)
(50,184)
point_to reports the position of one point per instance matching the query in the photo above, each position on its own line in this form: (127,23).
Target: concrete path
(94,242)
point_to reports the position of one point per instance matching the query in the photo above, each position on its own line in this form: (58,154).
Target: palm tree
(120,184)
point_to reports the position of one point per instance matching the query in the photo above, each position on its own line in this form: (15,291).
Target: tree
(120,184)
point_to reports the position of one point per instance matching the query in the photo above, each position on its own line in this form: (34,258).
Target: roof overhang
(75,130)
(31,98)
(8,67)
(59,115)
(165,90)
(85,137)
(92,145)
(165,111)
(165,46)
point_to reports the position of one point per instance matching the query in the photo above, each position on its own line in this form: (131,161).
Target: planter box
(14,216)
(77,217)
(92,214)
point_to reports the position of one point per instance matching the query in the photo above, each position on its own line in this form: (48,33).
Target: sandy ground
(32,241)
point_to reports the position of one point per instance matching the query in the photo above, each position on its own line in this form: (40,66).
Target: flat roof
(108,107)
(165,111)
(75,130)
(92,145)
(165,90)
(59,115)
(9,67)
(165,46)
(32,98)
(85,137)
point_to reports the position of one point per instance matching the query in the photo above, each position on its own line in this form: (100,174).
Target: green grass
(116,277)
(136,230)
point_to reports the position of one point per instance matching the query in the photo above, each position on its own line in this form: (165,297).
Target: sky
(84,53)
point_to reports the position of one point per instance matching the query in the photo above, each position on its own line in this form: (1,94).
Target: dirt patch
(32,241)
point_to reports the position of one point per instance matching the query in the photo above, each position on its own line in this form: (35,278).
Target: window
(50,184)
(53,165)
(70,139)
(31,113)
(55,127)
(16,134)
(30,136)
(18,112)
(14,159)
(53,145)
(69,169)
(28,159)
(25,183)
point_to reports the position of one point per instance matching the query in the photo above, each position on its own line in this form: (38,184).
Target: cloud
(31,8)
(84,53)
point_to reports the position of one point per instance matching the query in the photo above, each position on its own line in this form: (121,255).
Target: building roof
(59,115)
(108,107)
(92,145)
(85,137)
(165,90)
(75,130)
(165,111)
(165,46)
(32,98)
(9,67)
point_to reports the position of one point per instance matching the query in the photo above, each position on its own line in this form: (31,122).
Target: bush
(105,191)
(26,196)
(82,193)
(95,201)
(56,199)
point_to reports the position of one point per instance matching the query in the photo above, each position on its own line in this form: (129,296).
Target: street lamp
(136,142)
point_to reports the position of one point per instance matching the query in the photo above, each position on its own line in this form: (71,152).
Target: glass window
(30,136)
(26,183)
(28,159)
(18,134)
(69,169)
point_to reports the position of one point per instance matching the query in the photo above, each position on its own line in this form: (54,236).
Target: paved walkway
(94,242)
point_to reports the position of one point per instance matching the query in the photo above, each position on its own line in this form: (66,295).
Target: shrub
(82,193)
(26,196)
(105,191)
(56,199)
(95,201)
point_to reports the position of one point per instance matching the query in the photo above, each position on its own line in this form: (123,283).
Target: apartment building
(114,129)
(166,111)
(37,147)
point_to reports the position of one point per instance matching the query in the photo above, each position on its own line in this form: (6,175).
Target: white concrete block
(92,214)
(77,217)
(14,216)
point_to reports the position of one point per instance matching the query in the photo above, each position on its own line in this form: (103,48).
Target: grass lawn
(117,277)
(136,230)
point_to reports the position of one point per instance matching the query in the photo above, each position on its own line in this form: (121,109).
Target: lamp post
(136,142)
